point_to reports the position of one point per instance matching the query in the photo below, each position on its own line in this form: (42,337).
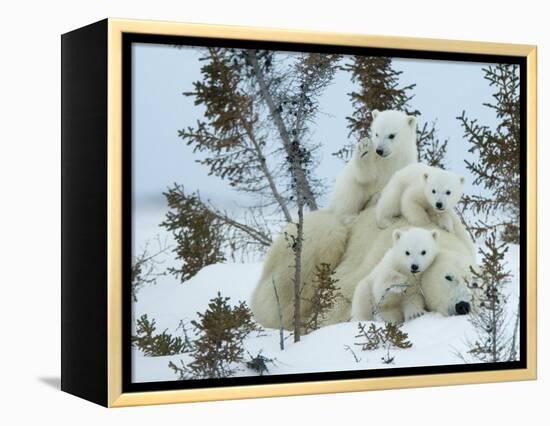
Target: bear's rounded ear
(425,176)
(396,235)
(375,113)
(462,180)
(435,235)
(411,121)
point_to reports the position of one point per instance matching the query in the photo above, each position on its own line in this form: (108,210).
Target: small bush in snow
(218,348)
(495,163)
(196,230)
(494,342)
(390,336)
(259,363)
(379,337)
(152,344)
(324,297)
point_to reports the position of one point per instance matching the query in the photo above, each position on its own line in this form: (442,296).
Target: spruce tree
(313,73)
(378,88)
(259,106)
(218,348)
(431,150)
(325,295)
(253,98)
(154,344)
(196,230)
(497,155)
(494,341)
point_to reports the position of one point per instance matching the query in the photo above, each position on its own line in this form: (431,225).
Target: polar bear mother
(444,283)
(391,147)
(355,252)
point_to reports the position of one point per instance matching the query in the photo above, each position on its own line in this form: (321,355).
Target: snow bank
(436,339)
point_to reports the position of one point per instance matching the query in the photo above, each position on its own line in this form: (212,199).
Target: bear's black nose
(414,267)
(462,308)
(380,152)
(439,205)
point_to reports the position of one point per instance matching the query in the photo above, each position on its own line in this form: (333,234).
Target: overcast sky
(161,73)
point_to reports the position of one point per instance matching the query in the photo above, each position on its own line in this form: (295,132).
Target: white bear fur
(367,244)
(421,194)
(325,237)
(391,292)
(367,173)
(445,283)
(326,240)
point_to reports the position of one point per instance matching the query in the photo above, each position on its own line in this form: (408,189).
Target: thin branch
(298,272)
(258,236)
(280,312)
(349,349)
(393,287)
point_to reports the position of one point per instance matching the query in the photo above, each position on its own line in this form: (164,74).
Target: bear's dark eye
(448,277)
(391,136)
(407,253)
(433,191)
(377,135)
(448,193)
(423,252)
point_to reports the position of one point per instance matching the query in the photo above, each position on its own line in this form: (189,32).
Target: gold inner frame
(116,27)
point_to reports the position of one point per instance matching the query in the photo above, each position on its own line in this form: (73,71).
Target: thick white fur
(391,292)
(421,194)
(368,172)
(325,238)
(445,283)
(367,245)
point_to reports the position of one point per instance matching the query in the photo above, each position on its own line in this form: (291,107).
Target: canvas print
(306,212)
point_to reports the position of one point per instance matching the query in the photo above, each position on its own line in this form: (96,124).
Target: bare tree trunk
(298,173)
(280,312)
(494,326)
(298,271)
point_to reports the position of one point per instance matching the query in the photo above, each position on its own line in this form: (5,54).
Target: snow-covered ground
(436,339)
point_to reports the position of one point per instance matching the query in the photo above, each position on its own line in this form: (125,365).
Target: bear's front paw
(397,283)
(362,149)
(413,314)
(398,288)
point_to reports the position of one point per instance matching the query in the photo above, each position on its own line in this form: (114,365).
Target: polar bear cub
(392,291)
(356,184)
(391,147)
(420,194)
